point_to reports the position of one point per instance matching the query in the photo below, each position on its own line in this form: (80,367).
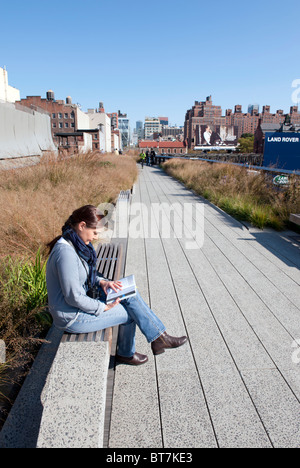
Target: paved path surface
(237,382)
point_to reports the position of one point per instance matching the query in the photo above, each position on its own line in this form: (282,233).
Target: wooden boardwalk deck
(237,297)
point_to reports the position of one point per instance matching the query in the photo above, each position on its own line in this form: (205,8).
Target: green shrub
(23,296)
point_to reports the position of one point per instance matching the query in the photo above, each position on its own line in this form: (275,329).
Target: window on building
(66,125)
(53,116)
(66,116)
(59,115)
(54,125)
(60,125)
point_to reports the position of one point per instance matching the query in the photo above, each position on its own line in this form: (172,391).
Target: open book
(128,290)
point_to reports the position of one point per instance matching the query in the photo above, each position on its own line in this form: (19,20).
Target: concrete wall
(23,132)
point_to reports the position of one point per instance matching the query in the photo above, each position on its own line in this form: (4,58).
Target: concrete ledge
(21,428)
(295,218)
(77,400)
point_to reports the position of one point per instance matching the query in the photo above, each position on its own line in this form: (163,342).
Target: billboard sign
(282,150)
(216,137)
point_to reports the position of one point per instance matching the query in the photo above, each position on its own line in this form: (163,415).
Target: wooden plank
(103,258)
(108,336)
(81,337)
(108,261)
(113,261)
(119,269)
(100,251)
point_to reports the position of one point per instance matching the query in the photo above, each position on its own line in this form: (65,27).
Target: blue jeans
(128,314)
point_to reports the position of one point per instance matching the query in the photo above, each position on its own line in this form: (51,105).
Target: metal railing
(252,161)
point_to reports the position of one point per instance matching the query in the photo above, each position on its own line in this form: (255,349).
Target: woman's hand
(115,286)
(112,304)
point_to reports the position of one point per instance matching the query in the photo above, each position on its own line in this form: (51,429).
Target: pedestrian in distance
(142,158)
(77,293)
(147,158)
(152,156)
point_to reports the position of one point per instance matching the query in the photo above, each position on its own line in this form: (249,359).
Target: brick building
(205,113)
(63,114)
(70,127)
(164,147)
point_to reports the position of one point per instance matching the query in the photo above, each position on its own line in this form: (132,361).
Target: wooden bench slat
(109,260)
(112,263)
(80,337)
(119,267)
(99,253)
(102,258)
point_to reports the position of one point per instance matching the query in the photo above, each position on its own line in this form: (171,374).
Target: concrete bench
(74,397)
(295,218)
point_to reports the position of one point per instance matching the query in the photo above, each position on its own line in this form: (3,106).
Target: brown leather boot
(166,341)
(136,360)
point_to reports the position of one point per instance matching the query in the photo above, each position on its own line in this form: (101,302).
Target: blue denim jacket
(66,278)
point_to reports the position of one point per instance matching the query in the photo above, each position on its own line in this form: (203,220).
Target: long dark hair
(87,213)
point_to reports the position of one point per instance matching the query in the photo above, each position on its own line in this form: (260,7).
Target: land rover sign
(282,150)
(281,180)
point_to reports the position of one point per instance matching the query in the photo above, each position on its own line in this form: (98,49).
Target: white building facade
(7,93)
(152,125)
(101,119)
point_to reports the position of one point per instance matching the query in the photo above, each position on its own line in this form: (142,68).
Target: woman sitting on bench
(71,276)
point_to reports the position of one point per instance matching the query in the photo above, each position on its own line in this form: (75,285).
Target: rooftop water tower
(50,95)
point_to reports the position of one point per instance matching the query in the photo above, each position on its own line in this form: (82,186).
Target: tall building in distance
(253,109)
(152,126)
(124,127)
(139,130)
(158,129)
(164,120)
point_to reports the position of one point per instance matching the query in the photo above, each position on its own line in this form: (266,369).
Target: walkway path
(237,382)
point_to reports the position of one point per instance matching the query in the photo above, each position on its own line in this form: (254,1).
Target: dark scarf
(86,252)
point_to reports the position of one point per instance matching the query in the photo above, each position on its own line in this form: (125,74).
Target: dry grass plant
(37,200)
(249,196)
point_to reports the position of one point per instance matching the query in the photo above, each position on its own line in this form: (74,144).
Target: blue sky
(153,58)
